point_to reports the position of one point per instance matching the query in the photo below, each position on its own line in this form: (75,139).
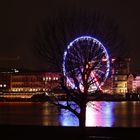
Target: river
(98,113)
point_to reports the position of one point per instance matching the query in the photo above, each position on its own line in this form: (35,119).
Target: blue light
(94,40)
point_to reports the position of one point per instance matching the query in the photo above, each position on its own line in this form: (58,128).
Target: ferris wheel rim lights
(71,45)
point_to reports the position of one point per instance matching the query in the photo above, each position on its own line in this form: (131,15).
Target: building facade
(4,81)
(131,83)
(120,72)
(28,82)
(136,84)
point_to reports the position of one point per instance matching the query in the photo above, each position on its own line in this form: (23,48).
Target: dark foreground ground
(66,133)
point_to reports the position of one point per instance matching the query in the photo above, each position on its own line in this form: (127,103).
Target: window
(115,78)
(4,85)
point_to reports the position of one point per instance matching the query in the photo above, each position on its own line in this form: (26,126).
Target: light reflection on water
(100,114)
(105,114)
(97,114)
(68,119)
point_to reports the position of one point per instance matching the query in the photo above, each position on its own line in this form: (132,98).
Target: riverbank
(47,100)
(67,133)
(95,97)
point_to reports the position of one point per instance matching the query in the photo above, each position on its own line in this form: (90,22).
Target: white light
(106,59)
(16,70)
(30,90)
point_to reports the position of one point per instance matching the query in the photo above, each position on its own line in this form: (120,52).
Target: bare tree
(54,36)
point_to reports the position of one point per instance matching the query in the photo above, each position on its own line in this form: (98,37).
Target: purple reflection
(97,114)
(100,114)
(68,119)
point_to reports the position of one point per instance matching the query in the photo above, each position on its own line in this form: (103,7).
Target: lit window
(115,78)
(4,85)
(30,89)
(0,85)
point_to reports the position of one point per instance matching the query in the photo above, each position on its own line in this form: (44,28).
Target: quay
(44,96)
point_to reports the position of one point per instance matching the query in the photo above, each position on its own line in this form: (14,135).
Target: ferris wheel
(86,55)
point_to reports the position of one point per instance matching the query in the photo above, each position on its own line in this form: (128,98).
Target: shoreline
(43,100)
(99,97)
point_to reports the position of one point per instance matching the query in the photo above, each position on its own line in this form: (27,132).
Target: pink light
(113,59)
(104,59)
(82,88)
(96,81)
(100,114)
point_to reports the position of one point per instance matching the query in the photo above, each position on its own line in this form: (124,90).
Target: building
(4,81)
(119,82)
(120,72)
(131,84)
(107,87)
(136,84)
(28,81)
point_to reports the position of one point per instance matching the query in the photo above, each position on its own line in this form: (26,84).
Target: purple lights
(89,51)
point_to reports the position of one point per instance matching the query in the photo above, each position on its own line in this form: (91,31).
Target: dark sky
(20,18)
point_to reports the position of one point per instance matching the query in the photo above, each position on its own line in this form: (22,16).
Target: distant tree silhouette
(54,34)
(52,39)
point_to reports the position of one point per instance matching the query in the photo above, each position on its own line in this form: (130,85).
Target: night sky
(20,19)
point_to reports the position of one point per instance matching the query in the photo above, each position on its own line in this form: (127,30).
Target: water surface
(99,113)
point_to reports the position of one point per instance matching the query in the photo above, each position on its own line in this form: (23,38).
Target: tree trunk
(82,120)
(82,117)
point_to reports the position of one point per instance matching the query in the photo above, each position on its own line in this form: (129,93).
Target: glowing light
(68,119)
(105,59)
(102,116)
(96,81)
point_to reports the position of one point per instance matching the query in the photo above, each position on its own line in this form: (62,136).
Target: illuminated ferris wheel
(86,55)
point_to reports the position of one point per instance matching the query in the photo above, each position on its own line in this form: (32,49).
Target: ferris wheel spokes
(83,55)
